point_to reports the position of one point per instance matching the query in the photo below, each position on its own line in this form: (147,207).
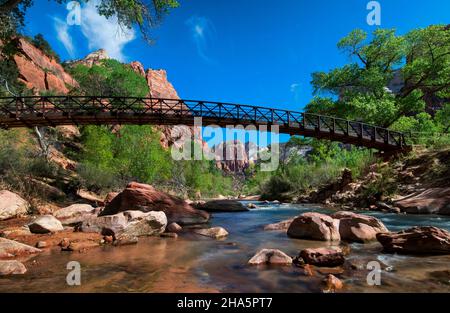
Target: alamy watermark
(233,149)
(73,278)
(374,16)
(374,276)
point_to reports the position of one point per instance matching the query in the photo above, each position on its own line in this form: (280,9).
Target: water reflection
(194,263)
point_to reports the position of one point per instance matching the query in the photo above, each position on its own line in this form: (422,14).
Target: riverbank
(415,184)
(196,263)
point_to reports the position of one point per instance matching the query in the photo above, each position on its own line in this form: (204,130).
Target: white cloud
(62,33)
(202,32)
(103,33)
(294,87)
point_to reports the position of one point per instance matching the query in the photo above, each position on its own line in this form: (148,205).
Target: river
(193,263)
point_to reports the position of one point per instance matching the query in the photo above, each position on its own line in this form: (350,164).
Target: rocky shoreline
(138,211)
(141,211)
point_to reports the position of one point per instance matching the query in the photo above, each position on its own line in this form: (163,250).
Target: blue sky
(259,52)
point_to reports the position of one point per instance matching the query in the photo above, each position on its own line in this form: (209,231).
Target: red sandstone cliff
(38,71)
(41,73)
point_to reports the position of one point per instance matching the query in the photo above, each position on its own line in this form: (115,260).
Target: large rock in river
(45,224)
(222,206)
(127,224)
(323,257)
(11,205)
(283,225)
(355,227)
(11,248)
(417,240)
(146,198)
(430,201)
(144,224)
(315,226)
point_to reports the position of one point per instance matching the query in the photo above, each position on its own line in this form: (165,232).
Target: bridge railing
(301,120)
(72,106)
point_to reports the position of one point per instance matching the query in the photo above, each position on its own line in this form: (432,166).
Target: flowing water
(193,263)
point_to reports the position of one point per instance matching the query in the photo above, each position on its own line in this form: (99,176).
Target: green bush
(20,160)
(276,188)
(301,175)
(98,180)
(109,78)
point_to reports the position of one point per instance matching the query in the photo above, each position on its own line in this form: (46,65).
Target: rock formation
(358,227)
(231,156)
(221,206)
(38,71)
(315,226)
(430,201)
(12,248)
(270,256)
(329,257)
(93,58)
(417,240)
(12,205)
(146,198)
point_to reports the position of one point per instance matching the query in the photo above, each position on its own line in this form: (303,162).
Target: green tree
(443,117)
(421,59)
(110,78)
(144,14)
(138,154)
(12,17)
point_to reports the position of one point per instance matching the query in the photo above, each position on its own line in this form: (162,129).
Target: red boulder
(146,198)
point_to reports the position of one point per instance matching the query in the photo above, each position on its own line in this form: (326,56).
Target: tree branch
(8,5)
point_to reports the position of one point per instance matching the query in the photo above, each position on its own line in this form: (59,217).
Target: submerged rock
(332,284)
(222,206)
(214,232)
(174,228)
(12,205)
(126,240)
(81,246)
(283,225)
(417,240)
(327,257)
(11,248)
(270,256)
(169,235)
(12,268)
(146,198)
(355,227)
(45,224)
(315,226)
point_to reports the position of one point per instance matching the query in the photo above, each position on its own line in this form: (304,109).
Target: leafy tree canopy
(109,78)
(419,61)
(143,14)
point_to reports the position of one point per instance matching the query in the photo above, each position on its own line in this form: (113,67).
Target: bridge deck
(79,110)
